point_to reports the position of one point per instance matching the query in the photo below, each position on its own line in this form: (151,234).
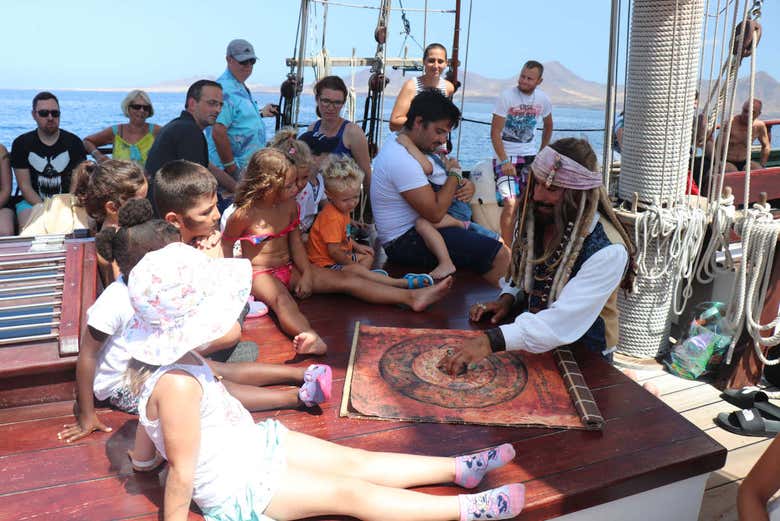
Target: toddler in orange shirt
(330,245)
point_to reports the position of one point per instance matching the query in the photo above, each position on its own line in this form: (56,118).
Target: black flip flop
(748,422)
(750,397)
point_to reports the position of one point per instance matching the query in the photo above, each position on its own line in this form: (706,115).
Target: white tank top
(229,455)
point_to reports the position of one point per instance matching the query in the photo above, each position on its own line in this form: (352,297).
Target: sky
(51,44)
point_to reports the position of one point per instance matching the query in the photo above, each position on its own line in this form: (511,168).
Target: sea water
(86,112)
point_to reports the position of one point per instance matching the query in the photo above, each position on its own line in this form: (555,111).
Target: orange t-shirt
(329,227)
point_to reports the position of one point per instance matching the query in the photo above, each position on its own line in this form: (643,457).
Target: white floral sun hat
(182,299)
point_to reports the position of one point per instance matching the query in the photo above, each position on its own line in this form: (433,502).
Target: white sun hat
(182,299)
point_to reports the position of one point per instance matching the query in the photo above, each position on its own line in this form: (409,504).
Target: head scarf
(553,168)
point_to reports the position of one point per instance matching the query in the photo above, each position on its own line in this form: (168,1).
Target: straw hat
(182,299)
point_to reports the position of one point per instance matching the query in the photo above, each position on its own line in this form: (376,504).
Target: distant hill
(563,86)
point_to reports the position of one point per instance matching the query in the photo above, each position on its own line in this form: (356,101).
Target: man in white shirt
(400,193)
(516,115)
(569,275)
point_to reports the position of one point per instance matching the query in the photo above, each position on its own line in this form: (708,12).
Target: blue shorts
(467,249)
(22,206)
(511,187)
(458,209)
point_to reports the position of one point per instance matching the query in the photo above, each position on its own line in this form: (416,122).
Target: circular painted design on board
(410,367)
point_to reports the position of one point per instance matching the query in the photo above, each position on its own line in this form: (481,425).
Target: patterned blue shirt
(241,116)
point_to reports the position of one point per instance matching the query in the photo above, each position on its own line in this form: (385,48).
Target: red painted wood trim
(70,320)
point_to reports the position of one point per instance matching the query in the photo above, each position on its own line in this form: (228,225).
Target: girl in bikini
(266,222)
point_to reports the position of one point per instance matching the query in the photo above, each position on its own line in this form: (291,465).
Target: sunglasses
(138,106)
(45,113)
(331,102)
(250,61)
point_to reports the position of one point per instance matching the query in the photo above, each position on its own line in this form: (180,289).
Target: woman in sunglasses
(130,140)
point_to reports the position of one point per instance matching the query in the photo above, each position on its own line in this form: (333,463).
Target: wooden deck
(699,402)
(645,444)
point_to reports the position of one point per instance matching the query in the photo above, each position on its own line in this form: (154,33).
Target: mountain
(564,87)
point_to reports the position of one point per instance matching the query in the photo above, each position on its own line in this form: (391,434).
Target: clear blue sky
(121,44)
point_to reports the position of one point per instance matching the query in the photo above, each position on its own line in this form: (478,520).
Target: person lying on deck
(103,357)
(739,150)
(235,469)
(569,258)
(401,193)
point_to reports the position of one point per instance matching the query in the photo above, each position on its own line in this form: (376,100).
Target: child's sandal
(418,280)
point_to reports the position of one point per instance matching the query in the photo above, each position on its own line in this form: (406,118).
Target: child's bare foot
(443,270)
(309,343)
(422,298)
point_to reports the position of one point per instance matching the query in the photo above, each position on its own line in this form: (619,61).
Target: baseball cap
(241,50)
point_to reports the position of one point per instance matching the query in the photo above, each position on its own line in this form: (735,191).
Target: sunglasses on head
(250,61)
(138,106)
(45,113)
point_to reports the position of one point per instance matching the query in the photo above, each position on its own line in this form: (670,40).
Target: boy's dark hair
(138,235)
(533,64)
(432,105)
(179,184)
(44,96)
(196,89)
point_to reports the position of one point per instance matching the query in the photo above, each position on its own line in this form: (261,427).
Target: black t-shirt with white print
(50,166)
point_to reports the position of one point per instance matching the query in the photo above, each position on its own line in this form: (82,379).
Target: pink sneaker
(317,381)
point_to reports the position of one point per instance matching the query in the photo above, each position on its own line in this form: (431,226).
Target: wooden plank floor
(644,445)
(699,402)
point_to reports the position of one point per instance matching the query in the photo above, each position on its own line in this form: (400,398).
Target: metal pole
(301,54)
(609,113)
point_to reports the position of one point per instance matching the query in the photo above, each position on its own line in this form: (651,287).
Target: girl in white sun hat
(235,469)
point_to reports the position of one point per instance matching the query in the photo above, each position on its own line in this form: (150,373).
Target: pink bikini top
(258,239)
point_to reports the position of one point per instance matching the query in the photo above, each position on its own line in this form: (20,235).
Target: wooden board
(644,444)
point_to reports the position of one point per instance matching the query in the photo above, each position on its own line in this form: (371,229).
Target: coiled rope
(660,86)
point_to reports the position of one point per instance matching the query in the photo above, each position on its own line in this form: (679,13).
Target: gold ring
(482,306)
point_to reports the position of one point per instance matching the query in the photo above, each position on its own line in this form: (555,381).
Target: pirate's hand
(473,350)
(498,309)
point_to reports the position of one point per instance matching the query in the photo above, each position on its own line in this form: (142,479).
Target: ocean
(86,112)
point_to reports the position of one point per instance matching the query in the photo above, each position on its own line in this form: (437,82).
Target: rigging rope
(759,240)
(465,77)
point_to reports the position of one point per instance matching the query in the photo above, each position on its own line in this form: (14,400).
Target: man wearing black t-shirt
(182,138)
(43,159)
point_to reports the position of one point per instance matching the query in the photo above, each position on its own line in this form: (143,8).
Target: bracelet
(496,339)
(456,172)
(504,162)
(229,163)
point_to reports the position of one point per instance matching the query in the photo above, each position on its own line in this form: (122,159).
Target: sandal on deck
(750,397)
(418,280)
(748,422)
